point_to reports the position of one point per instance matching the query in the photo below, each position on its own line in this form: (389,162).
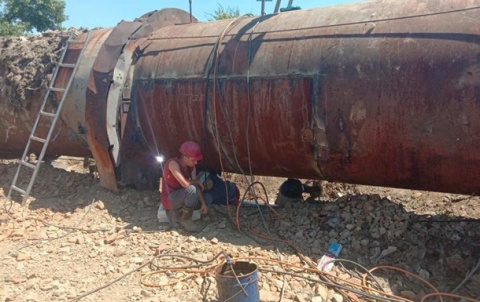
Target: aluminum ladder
(51,115)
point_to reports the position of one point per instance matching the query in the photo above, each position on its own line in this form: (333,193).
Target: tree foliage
(221,13)
(23,16)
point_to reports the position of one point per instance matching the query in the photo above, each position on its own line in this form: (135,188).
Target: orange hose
(317,271)
(448,295)
(364,277)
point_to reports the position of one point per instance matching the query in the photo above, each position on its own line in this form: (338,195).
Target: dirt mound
(27,64)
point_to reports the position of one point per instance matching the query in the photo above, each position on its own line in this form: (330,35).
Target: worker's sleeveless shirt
(170,183)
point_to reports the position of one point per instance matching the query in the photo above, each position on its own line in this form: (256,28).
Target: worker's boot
(187,223)
(174,218)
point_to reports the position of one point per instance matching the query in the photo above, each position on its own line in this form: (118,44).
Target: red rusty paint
(95,109)
(388,100)
(355,93)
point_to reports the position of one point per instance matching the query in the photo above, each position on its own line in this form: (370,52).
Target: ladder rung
(57,89)
(66,65)
(19,190)
(28,164)
(47,114)
(38,139)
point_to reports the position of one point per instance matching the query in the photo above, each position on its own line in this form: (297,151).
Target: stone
(408,294)
(110,238)
(337,297)
(99,205)
(58,217)
(23,257)
(301,298)
(322,291)
(137,260)
(267,296)
(65,249)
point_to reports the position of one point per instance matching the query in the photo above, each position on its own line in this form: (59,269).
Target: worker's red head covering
(191,149)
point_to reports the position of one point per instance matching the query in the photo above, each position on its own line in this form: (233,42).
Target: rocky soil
(74,237)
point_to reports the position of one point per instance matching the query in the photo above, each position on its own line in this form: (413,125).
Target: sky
(108,13)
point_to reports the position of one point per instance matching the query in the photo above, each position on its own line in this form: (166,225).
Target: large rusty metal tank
(382,93)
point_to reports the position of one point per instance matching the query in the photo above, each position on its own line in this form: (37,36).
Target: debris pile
(27,64)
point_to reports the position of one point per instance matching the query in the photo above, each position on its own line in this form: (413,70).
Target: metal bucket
(229,289)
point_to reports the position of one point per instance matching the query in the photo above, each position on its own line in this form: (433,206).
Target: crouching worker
(292,190)
(181,191)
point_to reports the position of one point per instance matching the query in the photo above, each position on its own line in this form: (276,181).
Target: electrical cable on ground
(448,295)
(64,235)
(356,291)
(78,298)
(387,267)
(468,276)
(188,269)
(357,264)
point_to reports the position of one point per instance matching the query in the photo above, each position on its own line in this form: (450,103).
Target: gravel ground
(74,237)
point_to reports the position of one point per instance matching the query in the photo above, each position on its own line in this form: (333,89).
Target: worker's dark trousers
(189,197)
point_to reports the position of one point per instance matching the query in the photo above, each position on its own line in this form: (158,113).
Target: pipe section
(382,93)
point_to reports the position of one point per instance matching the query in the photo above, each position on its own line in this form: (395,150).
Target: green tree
(23,16)
(222,13)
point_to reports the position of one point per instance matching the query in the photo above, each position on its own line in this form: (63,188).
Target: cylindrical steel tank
(381,93)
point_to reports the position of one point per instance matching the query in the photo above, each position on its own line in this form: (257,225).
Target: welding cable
(357,264)
(7,210)
(185,269)
(285,241)
(335,25)
(267,204)
(78,298)
(188,269)
(174,269)
(468,276)
(211,268)
(237,215)
(322,273)
(247,129)
(239,292)
(313,267)
(356,291)
(188,258)
(229,262)
(73,229)
(214,103)
(303,258)
(448,295)
(387,267)
(258,207)
(353,262)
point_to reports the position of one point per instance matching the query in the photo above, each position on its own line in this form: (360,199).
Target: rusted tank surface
(382,93)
